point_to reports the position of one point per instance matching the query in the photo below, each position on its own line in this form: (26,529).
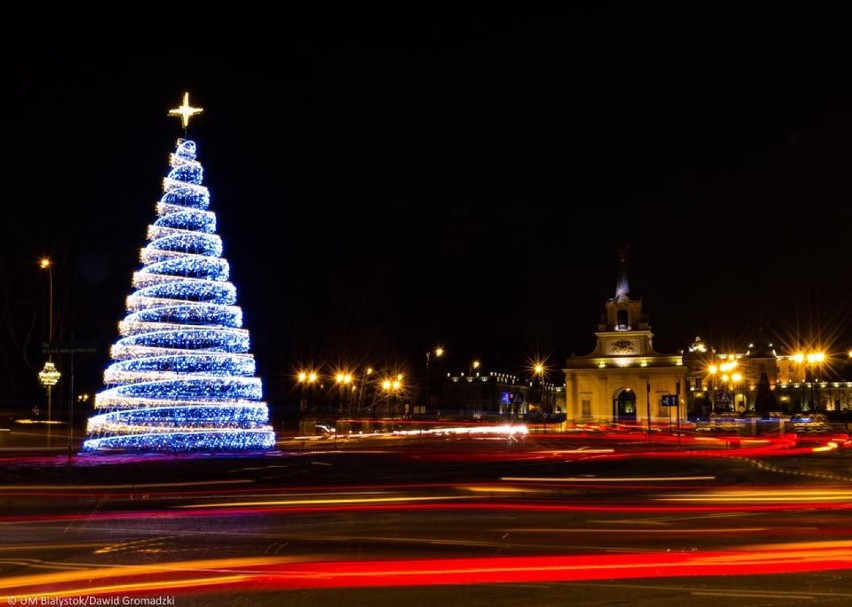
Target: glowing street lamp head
(539,369)
(44,263)
(439,352)
(815,358)
(307,376)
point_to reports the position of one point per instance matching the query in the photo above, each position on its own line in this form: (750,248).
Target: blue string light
(182,376)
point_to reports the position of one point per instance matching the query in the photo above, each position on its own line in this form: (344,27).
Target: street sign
(69,347)
(668,400)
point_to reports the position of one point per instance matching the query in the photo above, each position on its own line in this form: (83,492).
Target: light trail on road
(277,573)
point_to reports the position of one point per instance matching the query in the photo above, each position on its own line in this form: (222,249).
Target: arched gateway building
(624,380)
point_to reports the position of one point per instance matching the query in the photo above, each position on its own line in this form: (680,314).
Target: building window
(586,408)
(622,320)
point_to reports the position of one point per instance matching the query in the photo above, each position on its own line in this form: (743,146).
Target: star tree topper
(185,111)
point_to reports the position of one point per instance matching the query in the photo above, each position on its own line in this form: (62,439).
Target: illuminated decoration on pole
(182,376)
(49,377)
(185,111)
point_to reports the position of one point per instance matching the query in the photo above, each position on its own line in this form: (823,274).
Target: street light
(815,359)
(806,360)
(343,380)
(49,376)
(305,378)
(474,365)
(538,369)
(83,399)
(364,379)
(729,397)
(438,353)
(712,370)
(46,264)
(391,387)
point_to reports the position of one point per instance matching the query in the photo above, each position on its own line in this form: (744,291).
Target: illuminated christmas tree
(182,376)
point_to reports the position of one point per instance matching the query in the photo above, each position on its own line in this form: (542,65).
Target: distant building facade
(762,382)
(493,395)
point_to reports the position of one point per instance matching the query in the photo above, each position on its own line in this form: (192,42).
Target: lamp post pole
(428,356)
(364,378)
(49,376)
(388,385)
(477,405)
(648,406)
(438,352)
(711,387)
(815,359)
(539,371)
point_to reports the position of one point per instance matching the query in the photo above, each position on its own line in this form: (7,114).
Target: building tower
(624,379)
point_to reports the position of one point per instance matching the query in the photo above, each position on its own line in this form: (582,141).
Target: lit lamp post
(539,370)
(49,376)
(438,353)
(476,405)
(391,387)
(83,399)
(711,386)
(305,378)
(811,359)
(729,396)
(799,359)
(815,359)
(343,380)
(364,379)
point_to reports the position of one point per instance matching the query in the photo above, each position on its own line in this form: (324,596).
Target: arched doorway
(624,406)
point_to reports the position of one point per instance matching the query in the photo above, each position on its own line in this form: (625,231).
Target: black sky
(383,185)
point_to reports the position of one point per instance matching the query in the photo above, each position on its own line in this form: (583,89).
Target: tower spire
(622,287)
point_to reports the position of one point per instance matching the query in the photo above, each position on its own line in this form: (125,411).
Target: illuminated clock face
(622,346)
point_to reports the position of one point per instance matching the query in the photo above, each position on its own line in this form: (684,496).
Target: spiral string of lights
(182,377)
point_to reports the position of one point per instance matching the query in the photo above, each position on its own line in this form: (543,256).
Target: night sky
(383,185)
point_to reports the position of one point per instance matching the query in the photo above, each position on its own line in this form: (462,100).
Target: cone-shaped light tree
(182,376)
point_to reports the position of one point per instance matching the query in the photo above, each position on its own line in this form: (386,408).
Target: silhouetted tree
(765,399)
